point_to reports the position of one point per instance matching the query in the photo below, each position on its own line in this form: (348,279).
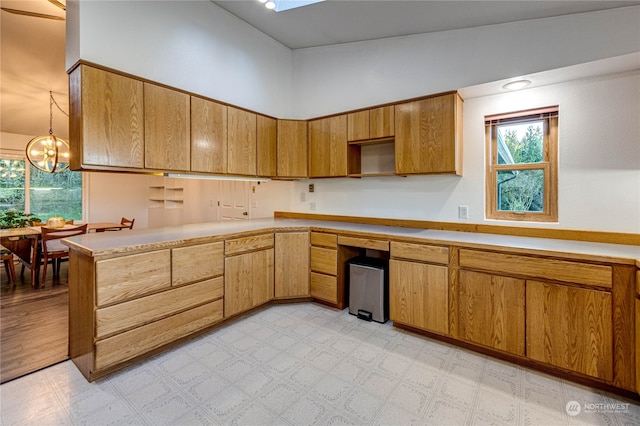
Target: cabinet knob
(245,214)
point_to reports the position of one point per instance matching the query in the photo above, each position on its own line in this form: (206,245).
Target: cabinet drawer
(143,339)
(324,287)
(324,260)
(364,243)
(247,244)
(128,277)
(194,263)
(582,273)
(420,252)
(324,240)
(140,311)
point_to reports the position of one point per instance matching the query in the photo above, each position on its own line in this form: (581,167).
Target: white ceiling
(33,52)
(340,21)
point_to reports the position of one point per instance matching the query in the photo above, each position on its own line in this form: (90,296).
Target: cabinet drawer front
(247,244)
(561,270)
(324,287)
(324,240)
(143,339)
(324,260)
(140,311)
(420,252)
(128,277)
(363,243)
(196,263)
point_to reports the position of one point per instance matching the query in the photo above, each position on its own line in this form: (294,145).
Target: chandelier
(49,153)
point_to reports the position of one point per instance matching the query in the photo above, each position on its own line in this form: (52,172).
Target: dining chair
(53,250)
(126,224)
(7,258)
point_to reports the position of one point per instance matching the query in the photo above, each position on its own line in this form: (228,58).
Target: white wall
(341,77)
(191,45)
(599,173)
(110,196)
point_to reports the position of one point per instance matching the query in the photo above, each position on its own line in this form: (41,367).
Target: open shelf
(371,158)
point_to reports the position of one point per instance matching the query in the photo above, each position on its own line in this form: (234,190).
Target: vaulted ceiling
(33,49)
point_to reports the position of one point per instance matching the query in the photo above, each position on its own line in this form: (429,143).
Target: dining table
(23,243)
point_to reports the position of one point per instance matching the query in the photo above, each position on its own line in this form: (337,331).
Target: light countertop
(130,241)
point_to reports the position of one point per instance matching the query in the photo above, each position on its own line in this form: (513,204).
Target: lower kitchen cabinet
(419,295)
(292,265)
(570,327)
(248,275)
(491,311)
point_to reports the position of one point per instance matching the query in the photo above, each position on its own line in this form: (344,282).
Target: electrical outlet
(463,212)
(312,187)
(312,206)
(303,196)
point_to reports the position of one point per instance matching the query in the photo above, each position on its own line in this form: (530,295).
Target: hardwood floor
(34,323)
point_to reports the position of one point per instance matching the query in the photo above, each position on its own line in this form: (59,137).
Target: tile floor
(305,364)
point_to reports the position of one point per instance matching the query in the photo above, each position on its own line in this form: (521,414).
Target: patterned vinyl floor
(304,364)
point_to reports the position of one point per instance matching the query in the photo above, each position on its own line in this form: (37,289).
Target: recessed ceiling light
(270,4)
(517,84)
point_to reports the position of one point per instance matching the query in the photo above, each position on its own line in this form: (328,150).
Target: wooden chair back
(53,249)
(128,222)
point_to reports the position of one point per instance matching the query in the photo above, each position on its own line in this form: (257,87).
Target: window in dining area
(25,188)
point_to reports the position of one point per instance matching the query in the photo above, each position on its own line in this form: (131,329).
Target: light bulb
(270,5)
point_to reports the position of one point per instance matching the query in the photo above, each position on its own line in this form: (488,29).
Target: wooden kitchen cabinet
(241,143)
(291,264)
(292,156)
(375,123)
(491,311)
(126,307)
(208,136)
(266,146)
(428,135)
(570,327)
(419,295)
(248,273)
(167,124)
(328,268)
(106,120)
(328,147)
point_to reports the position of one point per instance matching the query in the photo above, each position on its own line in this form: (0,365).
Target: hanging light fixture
(49,153)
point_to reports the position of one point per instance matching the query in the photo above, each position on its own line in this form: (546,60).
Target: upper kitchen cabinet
(166,128)
(375,123)
(292,157)
(106,120)
(208,136)
(241,148)
(429,135)
(328,147)
(266,141)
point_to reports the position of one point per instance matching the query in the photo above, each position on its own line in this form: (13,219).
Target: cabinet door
(427,140)
(106,119)
(491,311)
(382,122)
(419,295)
(241,155)
(358,126)
(248,281)
(167,125)
(266,142)
(208,136)
(328,147)
(571,328)
(292,148)
(292,264)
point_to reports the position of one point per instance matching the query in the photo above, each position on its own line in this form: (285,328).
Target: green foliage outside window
(49,194)
(521,190)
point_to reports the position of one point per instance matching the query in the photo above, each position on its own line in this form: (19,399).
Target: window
(25,188)
(522,165)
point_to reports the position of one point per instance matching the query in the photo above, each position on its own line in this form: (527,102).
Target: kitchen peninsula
(561,306)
